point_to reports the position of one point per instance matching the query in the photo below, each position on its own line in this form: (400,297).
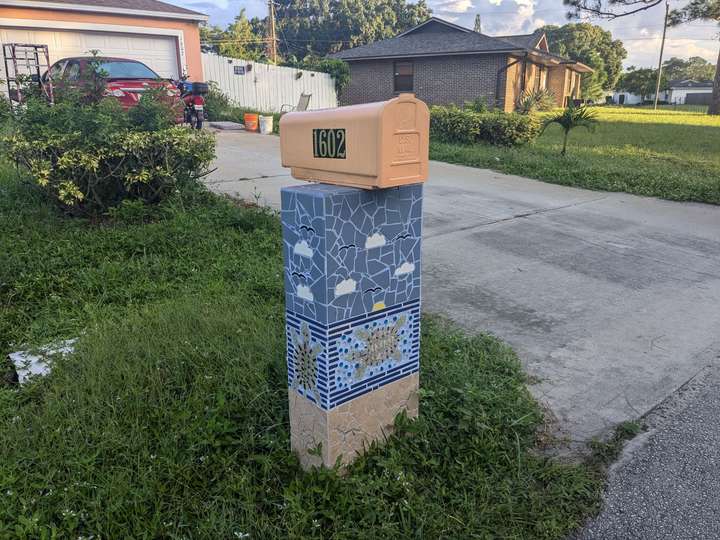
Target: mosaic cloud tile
(348,251)
(352,288)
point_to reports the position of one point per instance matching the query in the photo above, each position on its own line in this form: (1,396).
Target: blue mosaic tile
(349,251)
(333,364)
(352,288)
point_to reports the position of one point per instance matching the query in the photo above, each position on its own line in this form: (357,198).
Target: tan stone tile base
(346,430)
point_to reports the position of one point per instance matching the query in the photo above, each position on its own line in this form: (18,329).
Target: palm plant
(532,101)
(570,118)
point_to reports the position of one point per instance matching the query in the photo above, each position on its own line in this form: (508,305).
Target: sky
(641,33)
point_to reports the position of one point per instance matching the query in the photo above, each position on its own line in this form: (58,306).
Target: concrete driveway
(612,301)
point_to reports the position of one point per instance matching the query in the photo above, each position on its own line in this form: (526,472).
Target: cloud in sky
(453,6)
(523,16)
(640,33)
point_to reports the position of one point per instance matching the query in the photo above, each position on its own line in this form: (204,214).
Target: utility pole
(662,50)
(272,39)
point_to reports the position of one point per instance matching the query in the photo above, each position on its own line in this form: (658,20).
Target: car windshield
(125,70)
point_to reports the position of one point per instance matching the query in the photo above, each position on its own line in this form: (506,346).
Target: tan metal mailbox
(375,145)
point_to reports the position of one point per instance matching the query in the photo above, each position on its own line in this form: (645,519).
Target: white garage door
(158,52)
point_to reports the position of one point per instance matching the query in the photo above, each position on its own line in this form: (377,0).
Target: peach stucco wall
(190,29)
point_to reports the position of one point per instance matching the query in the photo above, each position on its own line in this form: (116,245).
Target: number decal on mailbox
(329,143)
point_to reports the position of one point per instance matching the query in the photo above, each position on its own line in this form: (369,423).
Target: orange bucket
(251,122)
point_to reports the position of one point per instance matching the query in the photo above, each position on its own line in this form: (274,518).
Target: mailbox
(374,145)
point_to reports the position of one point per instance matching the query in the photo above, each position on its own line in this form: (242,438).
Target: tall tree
(693,10)
(702,10)
(241,40)
(695,68)
(321,27)
(478,24)
(593,46)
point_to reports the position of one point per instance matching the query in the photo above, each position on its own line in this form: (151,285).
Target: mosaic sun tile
(333,364)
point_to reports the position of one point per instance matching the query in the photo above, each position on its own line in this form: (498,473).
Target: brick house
(163,36)
(443,63)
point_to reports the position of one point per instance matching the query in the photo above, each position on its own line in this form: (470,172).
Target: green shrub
(532,101)
(217,104)
(336,68)
(5,109)
(508,129)
(478,105)
(89,158)
(450,124)
(155,111)
(219,108)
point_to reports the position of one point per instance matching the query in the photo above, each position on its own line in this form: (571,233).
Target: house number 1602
(329,143)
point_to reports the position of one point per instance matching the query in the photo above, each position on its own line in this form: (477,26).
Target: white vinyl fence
(265,87)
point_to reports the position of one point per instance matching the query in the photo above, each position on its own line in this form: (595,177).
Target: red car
(126,80)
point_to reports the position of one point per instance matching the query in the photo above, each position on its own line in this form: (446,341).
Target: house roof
(436,37)
(690,83)
(525,41)
(423,40)
(151,8)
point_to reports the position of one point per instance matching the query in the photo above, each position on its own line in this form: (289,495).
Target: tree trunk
(564,148)
(715,102)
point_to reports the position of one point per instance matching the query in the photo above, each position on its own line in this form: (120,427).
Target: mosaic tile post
(352,293)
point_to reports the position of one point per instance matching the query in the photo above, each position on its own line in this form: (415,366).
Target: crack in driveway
(514,216)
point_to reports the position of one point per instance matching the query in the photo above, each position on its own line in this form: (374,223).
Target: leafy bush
(89,158)
(217,104)
(154,111)
(5,109)
(478,105)
(336,68)
(219,108)
(532,101)
(450,124)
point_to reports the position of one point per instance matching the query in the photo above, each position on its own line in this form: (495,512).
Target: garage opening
(160,53)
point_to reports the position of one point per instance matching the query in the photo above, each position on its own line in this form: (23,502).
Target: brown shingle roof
(413,43)
(526,41)
(140,5)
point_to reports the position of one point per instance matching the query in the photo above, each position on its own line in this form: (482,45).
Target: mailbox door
(405,142)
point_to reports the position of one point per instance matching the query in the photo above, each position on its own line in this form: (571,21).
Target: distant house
(690,92)
(443,63)
(684,92)
(623,97)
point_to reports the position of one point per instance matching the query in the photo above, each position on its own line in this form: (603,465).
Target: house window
(403,76)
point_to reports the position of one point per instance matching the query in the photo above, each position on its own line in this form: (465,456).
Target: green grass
(673,107)
(667,154)
(170,420)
